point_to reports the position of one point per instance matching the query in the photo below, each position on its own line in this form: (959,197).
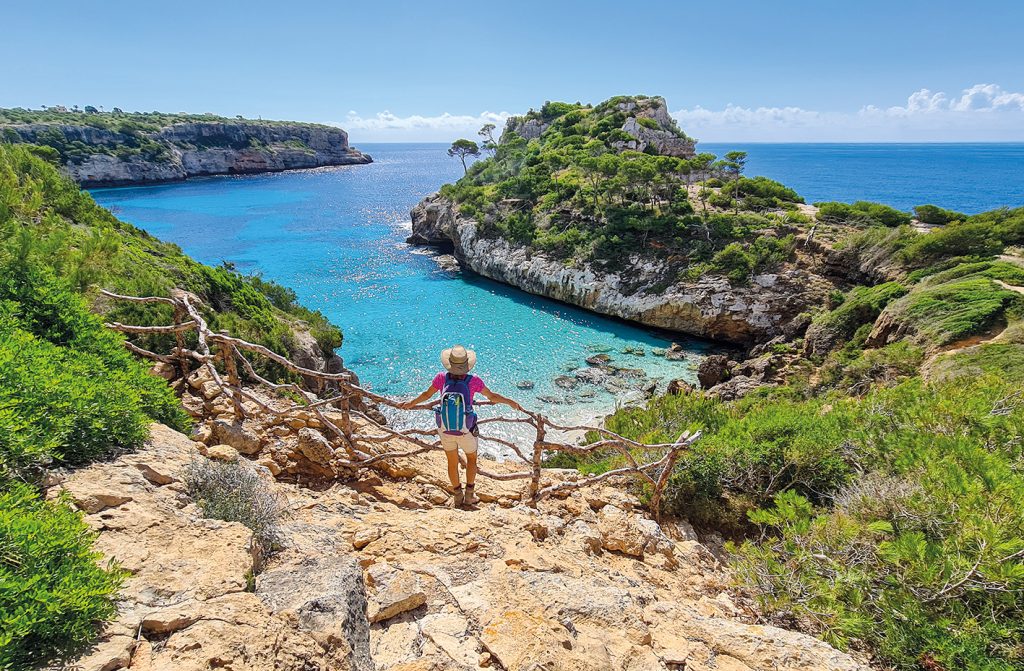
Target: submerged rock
(524,384)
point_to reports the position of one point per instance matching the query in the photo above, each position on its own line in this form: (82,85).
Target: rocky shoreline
(193,149)
(646,291)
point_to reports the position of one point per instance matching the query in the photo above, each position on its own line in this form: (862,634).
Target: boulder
(679,386)
(222,453)
(631,534)
(397,593)
(712,370)
(327,596)
(238,435)
(315,453)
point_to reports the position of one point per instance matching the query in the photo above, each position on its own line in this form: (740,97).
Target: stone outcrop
(197,148)
(663,135)
(373,574)
(645,291)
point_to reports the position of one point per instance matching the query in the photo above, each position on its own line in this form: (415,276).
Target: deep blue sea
(337,237)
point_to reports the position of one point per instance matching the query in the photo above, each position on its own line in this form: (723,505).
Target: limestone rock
(222,453)
(712,370)
(194,148)
(403,591)
(709,307)
(328,597)
(630,534)
(237,435)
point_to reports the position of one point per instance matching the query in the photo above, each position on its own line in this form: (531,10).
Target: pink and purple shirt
(476,385)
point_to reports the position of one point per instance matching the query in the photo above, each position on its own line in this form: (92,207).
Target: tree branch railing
(652,463)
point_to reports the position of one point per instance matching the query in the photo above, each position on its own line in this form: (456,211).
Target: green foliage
(922,557)
(760,193)
(959,239)
(69,391)
(122,135)
(575,194)
(947,308)
(234,492)
(53,593)
(861,213)
(931,214)
(860,306)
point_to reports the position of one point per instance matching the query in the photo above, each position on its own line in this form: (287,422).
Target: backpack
(455,413)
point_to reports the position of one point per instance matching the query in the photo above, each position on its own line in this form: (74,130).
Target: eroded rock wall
(644,290)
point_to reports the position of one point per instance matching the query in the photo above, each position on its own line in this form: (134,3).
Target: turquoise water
(337,235)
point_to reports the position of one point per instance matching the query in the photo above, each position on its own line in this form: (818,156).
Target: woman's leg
(453,467)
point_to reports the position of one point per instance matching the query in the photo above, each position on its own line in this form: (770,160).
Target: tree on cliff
(463,148)
(487,133)
(733,164)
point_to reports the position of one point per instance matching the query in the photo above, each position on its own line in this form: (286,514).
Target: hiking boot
(459,497)
(470,499)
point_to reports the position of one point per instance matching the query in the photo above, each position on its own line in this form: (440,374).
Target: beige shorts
(467,441)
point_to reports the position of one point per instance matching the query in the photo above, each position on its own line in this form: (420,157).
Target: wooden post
(180,316)
(659,488)
(538,454)
(231,368)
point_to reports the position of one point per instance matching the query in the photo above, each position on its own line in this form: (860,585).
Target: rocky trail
(377,572)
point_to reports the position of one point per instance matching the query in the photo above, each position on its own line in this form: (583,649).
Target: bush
(234,492)
(862,213)
(69,392)
(930,214)
(939,313)
(860,306)
(923,559)
(967,239)
(53,592)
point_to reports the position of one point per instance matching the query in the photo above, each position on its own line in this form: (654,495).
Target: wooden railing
(652,463)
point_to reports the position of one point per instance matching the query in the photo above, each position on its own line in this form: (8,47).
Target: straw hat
(458,360)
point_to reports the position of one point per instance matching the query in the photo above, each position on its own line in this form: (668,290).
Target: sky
(389,70)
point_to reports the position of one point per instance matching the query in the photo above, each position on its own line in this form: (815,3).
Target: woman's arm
(495,397)
(408,405)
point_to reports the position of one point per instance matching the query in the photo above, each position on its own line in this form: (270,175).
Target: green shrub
(930,214)
(860,306)
(862,213)
(235,492)
(53,592)
(939,313)
(958,239)
(923,558)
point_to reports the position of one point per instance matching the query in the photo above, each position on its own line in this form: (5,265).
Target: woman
(456,421)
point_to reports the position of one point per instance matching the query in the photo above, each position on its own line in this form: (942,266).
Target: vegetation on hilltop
(132,131)
(576,193)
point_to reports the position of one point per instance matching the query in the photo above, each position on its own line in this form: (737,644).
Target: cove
(336,236)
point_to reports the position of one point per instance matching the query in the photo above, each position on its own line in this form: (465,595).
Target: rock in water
(598,359)
(524,384)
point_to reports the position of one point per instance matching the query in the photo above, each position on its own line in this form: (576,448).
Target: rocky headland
(644,290)
(104,156)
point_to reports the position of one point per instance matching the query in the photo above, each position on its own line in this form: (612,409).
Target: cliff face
(646,291)
(193,149)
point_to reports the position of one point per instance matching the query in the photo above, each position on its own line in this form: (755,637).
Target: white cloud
(388,127)
(983,112)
